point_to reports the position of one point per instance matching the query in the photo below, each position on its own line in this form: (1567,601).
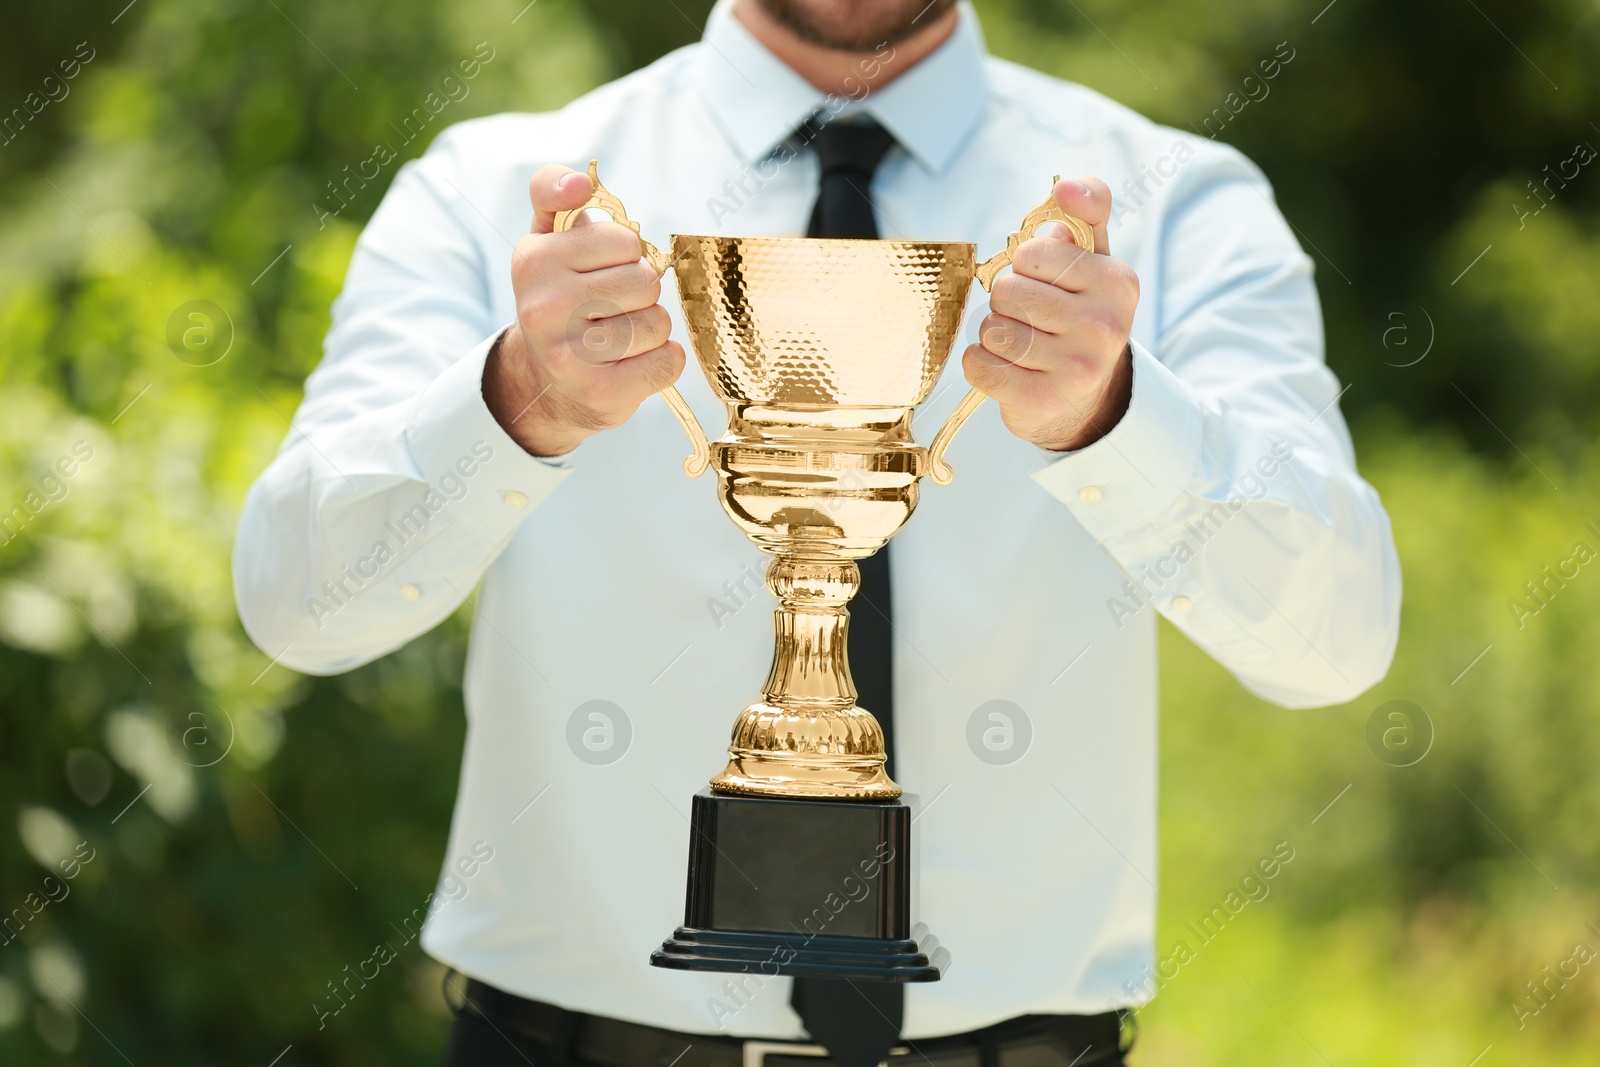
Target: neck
(844,73)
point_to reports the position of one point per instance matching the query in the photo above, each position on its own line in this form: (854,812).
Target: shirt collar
(758,101)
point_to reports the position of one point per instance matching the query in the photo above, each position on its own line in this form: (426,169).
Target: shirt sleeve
(396,488)
(1228,492)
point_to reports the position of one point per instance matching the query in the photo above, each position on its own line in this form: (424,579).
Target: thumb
(556,188)
(1090,200)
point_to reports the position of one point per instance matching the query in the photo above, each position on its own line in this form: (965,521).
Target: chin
(855,25)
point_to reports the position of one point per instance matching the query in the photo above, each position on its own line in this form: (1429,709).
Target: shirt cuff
(484,476)
(1136,472)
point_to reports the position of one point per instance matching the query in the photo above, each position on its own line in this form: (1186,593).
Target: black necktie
(858,1022)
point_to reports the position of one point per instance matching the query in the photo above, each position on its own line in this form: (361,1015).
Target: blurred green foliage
(138,726)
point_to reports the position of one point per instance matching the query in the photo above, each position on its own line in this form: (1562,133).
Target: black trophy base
(690,949)
(801,887)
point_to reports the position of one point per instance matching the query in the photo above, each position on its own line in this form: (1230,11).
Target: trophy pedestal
(801,887)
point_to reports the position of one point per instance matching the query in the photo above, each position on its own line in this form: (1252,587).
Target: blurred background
(161,781)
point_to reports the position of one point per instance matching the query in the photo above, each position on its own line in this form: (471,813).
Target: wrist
(1108,411)
(518,400)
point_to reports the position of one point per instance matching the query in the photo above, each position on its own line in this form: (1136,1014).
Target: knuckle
(1112,320)
(1105,327)
(526,256)
(980,373)
(1032,257)
(651,281)
(617,241)
(539,306)
(661,370)
(655,325)
(1005,286)
(992,333)
(1128,278)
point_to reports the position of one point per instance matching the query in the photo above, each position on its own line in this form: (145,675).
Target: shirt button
(515,499)
(1181,603)
(1089,494)
(410,591)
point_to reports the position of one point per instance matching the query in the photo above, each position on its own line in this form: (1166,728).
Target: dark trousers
(477,1041)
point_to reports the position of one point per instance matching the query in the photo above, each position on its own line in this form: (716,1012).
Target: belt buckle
(756,1052)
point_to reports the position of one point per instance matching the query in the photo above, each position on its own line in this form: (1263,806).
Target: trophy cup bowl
(820,349)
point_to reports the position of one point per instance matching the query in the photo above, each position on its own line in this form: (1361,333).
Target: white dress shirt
(1226,499)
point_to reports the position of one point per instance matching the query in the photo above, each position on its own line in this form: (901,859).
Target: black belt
(1078,1040)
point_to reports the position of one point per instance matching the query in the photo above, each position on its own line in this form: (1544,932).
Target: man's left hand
(1054,349)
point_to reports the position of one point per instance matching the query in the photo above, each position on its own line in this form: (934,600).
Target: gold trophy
(821,349)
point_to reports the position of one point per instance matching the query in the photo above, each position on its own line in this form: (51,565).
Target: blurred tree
(254,833)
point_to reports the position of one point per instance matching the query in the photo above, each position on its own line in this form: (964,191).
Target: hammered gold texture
(804,321)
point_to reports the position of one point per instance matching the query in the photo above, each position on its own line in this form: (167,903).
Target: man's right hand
(590,341)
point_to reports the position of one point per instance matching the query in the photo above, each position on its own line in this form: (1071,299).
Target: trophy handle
(605,200)
(1047,211)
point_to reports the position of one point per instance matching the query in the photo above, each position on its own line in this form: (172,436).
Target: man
(1166,440)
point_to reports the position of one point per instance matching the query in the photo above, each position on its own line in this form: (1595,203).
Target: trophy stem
(807,737)
(811,660)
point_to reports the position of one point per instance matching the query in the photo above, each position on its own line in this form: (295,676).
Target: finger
(1090,200)
(628,287)
(1012,386)
(1011,340)
(610,340)
(648,372)
(1037,303)
(1073,360)
(1025,396)
(1054,259)
(556,188)
(594,247)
